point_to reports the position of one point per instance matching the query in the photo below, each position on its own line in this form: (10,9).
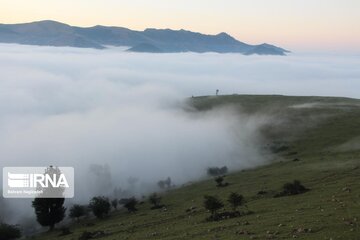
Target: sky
(298,25)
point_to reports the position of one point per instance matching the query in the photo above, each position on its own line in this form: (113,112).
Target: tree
(155,200)
(130,204)
(219,181)
(49,211)
(216,171)
(9,232)
(168,182)
(165,183)
(213,204)
(49,205)
(100,206)
(114,203)
(77,211)
(235,200)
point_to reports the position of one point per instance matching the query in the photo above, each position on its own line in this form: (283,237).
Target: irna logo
(40,182)
(37,180)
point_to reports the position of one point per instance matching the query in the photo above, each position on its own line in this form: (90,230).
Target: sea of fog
(115,116)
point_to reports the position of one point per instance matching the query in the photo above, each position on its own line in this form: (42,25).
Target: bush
(77,211)
(8,232)
(215,171)
(129,204)
(293,188)
(213,204)
(220,182)
(235,200)
(155,200)
(100,206)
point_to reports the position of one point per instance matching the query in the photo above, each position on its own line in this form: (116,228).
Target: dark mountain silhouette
(51,33)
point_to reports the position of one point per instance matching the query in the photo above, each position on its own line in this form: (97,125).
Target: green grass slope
(322,132)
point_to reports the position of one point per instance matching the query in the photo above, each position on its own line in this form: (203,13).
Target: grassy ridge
(323,133)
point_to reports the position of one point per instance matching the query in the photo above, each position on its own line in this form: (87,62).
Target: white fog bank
(77,107)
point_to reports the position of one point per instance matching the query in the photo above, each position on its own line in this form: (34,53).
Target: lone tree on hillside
(49,211)
(100,206)
(114,203)
(129,204)
(9,232)
(213,204)
(77,211)
(155,200)
(49,206)
(235,200)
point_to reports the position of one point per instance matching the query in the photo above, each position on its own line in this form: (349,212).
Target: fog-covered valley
(114,115)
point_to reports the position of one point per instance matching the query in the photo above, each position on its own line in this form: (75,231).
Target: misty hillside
(311,139)
(51,33)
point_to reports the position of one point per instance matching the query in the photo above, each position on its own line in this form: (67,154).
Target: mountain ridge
(53,33)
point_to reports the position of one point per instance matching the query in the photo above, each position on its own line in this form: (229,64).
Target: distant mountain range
(52,33)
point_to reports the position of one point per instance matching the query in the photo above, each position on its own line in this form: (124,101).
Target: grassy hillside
(322,133)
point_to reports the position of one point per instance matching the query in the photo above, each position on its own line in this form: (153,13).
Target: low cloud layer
(77,107)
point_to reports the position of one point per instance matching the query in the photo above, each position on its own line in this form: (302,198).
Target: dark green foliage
(49,211)
(216,171)
(235,200)
(213,204)
(9,232)
(77,211)
(100,206)
(155,200)
(293,188)
(129,204)
(219,181)
(114,203)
